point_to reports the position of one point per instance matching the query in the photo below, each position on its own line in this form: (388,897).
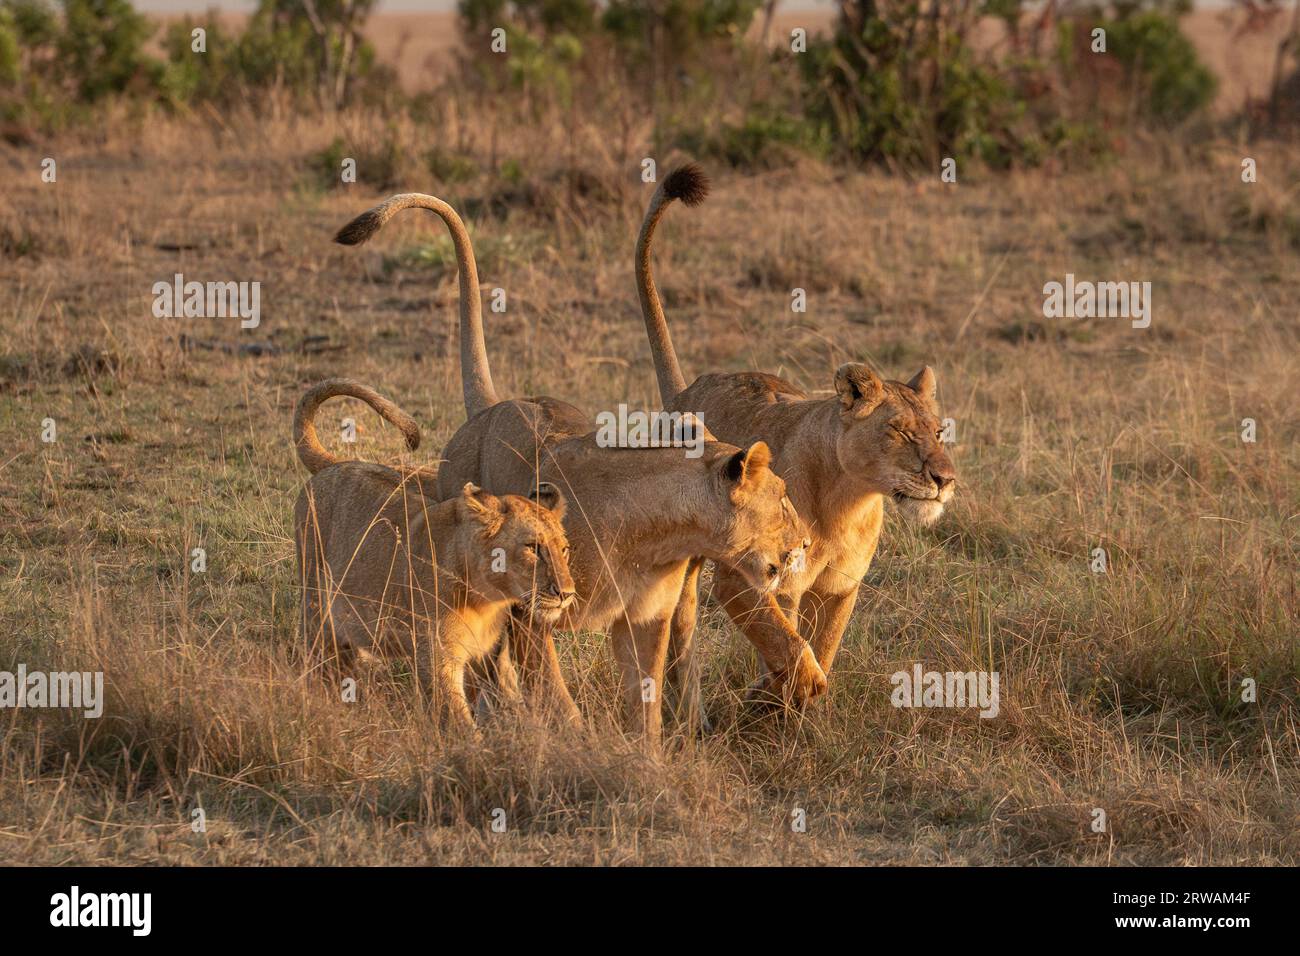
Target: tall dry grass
(1119,691)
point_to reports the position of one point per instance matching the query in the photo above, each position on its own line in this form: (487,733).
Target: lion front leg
(825,617)
(793,673)
(683,672)
(449,687)
(641,651)
(532,645)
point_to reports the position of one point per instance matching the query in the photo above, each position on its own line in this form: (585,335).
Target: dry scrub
(1119,691)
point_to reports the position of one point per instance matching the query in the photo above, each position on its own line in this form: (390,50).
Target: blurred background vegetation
(903,84)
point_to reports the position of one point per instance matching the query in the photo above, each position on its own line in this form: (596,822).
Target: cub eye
(530,549)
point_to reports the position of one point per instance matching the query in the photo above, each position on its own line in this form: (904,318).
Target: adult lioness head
(522,552)
(759,533)
(890,440)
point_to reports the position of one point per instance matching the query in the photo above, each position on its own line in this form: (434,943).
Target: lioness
(387,567)
(638,516)
(840,457)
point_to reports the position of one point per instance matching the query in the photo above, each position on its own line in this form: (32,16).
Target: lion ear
(551,498)
(743,468)
(925,385)
(479,506)
(859,388)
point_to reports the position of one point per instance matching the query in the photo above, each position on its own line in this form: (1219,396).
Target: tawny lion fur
(389,569)
(840,457)
(637,517)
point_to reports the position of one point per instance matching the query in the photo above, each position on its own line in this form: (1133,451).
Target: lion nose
(941,476)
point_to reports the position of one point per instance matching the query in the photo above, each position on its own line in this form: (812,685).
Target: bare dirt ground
(1120,691)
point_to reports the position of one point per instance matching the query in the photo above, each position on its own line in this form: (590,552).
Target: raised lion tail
(689,184)
(475,375)
(310,451)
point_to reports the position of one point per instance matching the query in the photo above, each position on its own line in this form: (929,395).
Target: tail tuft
(687,183)
(360,229)
(411,432)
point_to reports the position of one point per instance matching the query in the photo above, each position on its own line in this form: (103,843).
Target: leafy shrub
(199,76)
(901,83)
(544,18)
(1162,65)
(763,139)
(52,64)
(321,56)
(101,48)
(380,164)
(450,166)
(9,53)
(897,83)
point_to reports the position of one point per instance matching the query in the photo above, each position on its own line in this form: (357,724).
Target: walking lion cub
(386,568)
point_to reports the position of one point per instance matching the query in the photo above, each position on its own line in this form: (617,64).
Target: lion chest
(472,632)
(640,592)
(842,549)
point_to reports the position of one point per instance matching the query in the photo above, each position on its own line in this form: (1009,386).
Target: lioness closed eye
(387,569)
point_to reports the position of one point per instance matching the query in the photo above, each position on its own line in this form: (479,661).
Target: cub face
(890,440)
(524,554)
(764,537)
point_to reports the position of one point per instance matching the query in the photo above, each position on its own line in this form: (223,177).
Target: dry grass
(1118,691)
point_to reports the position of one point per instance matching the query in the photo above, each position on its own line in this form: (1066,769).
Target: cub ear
(859,388)
(479,506)
(925,385)
(743,467)
(551,498)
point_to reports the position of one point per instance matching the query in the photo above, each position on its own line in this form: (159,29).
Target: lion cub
(387,568)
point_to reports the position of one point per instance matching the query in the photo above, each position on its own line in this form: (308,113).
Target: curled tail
(689,184)
(310,451)
(475,376)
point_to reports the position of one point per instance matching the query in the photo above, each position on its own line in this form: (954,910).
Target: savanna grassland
(1120,691)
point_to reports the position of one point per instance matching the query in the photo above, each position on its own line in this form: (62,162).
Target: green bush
(191,75)
(51,66)
(101,48)
(1161,64)
(543,18)
(763,139)
(380,163)
(894,84)
(323,59)
(450,166)
(899,83)
(9,53)
(660,41)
